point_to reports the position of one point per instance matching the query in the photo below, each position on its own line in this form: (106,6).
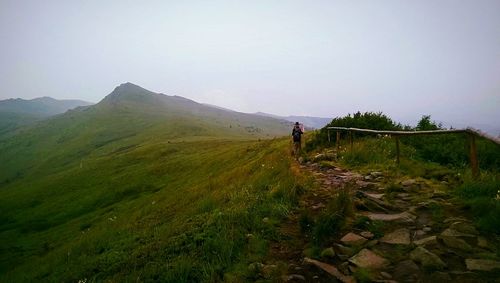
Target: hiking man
(296,136)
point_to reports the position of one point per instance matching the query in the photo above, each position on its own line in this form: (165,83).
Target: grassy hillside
(142,185)
(125,119)
(178,211)
(16,113)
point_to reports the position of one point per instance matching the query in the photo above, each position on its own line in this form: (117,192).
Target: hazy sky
(322,58)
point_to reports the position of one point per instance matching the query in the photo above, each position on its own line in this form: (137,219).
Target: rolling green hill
(141,186)
(16,113)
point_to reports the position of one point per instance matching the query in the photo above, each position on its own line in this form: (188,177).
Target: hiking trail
(418,233)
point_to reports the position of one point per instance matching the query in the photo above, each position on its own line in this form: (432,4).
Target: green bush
(367,120)
(445,149)
(451,149)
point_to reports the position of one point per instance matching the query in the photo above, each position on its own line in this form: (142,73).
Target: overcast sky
(321,58)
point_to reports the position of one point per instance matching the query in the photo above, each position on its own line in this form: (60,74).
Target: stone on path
(454,233)
(426,241)
(368,259)
(343,250)
(464,227)
(427,259)
(367,234)
(440,277)
(399,237)
(483,243)
(295,277)
(386,275)
(409,183)
(352,239)
(482,264)
(456,243)
(404,217)
(365,185)
(455,219)
(332,270)
(375,196)
(406,271)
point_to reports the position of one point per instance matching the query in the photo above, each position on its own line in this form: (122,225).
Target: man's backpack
(296,135)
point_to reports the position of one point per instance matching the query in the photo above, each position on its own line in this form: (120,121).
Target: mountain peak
(128,91)
(129,87)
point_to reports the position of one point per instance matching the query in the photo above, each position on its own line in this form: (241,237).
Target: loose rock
(463,227)
(368,259)
(343,250)
(409,183)
(296,277)
(426,241)
(456,243)
(367,234)
(352,239)
(427,259)
(399,237)
(453,233)
(331,270)
(386,275)
(483,243)
(440,277)
(482,264)
(406,271)
(403,217)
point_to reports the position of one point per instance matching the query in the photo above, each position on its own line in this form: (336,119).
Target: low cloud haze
(319,58)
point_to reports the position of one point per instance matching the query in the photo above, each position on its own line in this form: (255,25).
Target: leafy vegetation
(440,157)
(451,149)
(367,120)
(448,150)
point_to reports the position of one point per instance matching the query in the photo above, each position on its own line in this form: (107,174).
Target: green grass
(333,219)
(482,198)
(179,212)
(133,190)
(374,226)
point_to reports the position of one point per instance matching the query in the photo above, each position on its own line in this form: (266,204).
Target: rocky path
(413,233)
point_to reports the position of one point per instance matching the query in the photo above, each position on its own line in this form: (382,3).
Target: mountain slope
(110,191)
(128,116)
(15,113)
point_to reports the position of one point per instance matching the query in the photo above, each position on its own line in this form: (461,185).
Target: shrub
(367,120)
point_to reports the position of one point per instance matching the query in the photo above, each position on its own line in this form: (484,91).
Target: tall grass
(333,219)
(159,212)
(482,198)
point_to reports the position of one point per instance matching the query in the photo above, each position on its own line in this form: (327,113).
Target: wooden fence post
(328,131)
(397,150)
(338,141)
(473,156)
(350,138)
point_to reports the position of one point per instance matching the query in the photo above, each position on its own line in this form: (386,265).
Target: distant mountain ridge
(17,112)
(313,122)
(42,106)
